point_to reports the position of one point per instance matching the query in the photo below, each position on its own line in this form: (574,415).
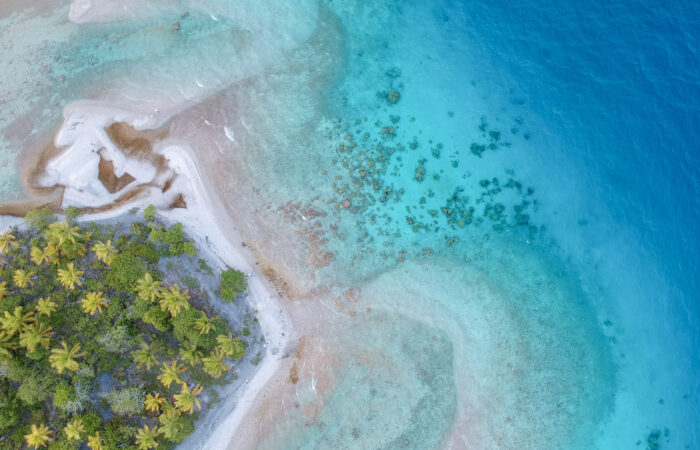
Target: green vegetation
(233,283)
(96,348)
(149,214)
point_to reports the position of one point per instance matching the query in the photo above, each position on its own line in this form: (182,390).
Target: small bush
(78,399)
(9,413)
(233,283)
(184,330)
(126,270)
(204,267)
(117,339)
(149,214)
(140,307)
(62,395)
(62,444)
(138,230)
(71,213)
(185,427)
(157,317)
(118,435)
(39,219)
(145,250)
(17,438)
(34,390)
(189,248)
(126,402)
(91,422)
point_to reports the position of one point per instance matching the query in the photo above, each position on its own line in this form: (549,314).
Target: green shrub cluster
(170,241)
(233,284)
(94,346)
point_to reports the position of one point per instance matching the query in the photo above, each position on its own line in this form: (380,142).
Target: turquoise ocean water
(511,187)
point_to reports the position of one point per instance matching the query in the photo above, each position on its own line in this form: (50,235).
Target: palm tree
(95,442)
(39,256)
(148,289)
(170,373)
(203,324)
(231,346)
(7,241)
(70,276)
(3,289)
(13,323)
(145,355)
(169,423)
(63,358)
(146,438)
(38,437)
(190,353)
(214,364)
(93,303)
(62,232)
(6,344)
(22,278)
(187,399)
(105,252)
(35,335)
(174,300)
(74,429)
(153,403)
(36,255)
(45,307)
(51,253)
(66,239)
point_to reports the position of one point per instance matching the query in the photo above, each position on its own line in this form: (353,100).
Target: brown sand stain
(298,355)
(301,348)
(314,359)
(179,202)
(168,184)
(138,144)
(32,163)
(294,373)
(109,178)
(51,199)
(277,280)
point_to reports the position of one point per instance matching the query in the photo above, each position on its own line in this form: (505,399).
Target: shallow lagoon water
(561,311)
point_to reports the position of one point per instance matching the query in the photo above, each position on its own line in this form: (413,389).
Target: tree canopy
(100,346)
(233,284)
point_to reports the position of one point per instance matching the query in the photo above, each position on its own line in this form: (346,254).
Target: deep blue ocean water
(617,87)
(619,84)
(579,266)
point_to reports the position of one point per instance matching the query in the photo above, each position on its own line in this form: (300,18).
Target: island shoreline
(222,243)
